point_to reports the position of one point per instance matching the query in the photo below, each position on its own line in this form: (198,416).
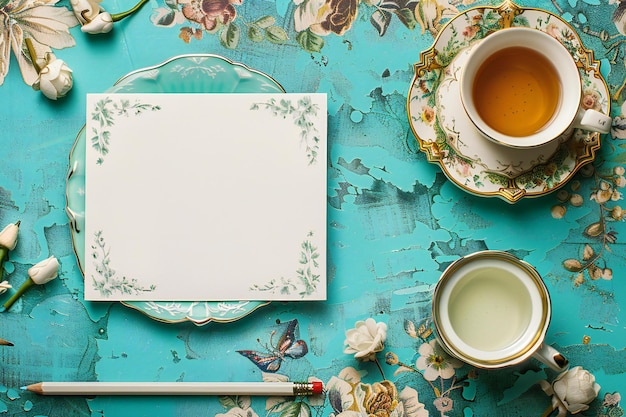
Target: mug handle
(593,120)
(551,357)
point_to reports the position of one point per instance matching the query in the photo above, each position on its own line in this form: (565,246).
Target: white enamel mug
(492,310)
(568,113)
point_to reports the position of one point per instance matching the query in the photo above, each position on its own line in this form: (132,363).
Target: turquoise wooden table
(399,211)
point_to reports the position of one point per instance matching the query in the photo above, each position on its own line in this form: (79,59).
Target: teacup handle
(593,120)
(551,357)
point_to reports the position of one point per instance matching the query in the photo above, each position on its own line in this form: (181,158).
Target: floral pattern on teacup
(467,171)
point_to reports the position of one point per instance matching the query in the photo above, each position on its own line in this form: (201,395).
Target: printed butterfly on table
(289,346)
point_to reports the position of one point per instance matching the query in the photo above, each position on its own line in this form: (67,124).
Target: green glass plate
(202,73)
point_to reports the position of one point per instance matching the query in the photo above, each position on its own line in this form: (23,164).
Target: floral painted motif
(105,113)
(606,194)
(107,282)
(306,279)
(302,114)
(211,13)
(433,364)
(45,24)
(312,20)
(348,396)
(610,405)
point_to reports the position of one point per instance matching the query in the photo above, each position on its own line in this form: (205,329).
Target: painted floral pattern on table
(593,262)
(312,20)
(431,383)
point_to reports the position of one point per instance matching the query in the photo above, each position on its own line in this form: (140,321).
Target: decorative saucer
(448,138)
(201,73)
(468,142)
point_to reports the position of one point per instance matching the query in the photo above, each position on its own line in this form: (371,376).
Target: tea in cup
(491,310)
(521,88)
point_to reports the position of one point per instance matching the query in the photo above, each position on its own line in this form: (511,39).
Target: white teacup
(492,310)
(521,88)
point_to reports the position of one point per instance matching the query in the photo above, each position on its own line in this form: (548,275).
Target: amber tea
(516,91)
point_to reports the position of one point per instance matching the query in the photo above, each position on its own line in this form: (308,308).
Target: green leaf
(380,20)
(229,38)
(407,17)
(255,34)
(167,19)
(309,41)
(276,34)
(228,402)
(294,409)
(265,22)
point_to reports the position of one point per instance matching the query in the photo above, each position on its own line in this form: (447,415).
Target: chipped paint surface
(395,223)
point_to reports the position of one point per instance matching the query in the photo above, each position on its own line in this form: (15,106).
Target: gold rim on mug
(537,338)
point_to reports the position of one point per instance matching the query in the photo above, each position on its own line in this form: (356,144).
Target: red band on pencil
(318,387)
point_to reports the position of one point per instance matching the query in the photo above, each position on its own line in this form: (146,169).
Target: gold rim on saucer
(546,173)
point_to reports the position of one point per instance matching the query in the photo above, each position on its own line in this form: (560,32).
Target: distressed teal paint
(395,223)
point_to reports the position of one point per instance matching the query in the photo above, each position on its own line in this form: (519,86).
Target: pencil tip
(5,343)
(24,388)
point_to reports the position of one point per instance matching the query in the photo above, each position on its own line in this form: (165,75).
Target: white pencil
(177,388)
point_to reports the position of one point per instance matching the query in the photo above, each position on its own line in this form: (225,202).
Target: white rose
(576,388)
(572,391)
(366,339)
(44,271)
(55,79)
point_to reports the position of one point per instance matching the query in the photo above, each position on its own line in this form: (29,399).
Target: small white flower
(8,236)
(572,390)
(435,362)
(103,23)
(4,286)
(55,79)
(44,271)
(366,339)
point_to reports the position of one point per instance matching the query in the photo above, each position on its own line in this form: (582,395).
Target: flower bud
(40,273)
(8,236)
(102,23)
(4,286)
(55,79)
(44,271)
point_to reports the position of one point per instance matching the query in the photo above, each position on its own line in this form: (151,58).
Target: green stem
(26,285)
(380,368)
(32,53)
(3,255)
(119,16)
